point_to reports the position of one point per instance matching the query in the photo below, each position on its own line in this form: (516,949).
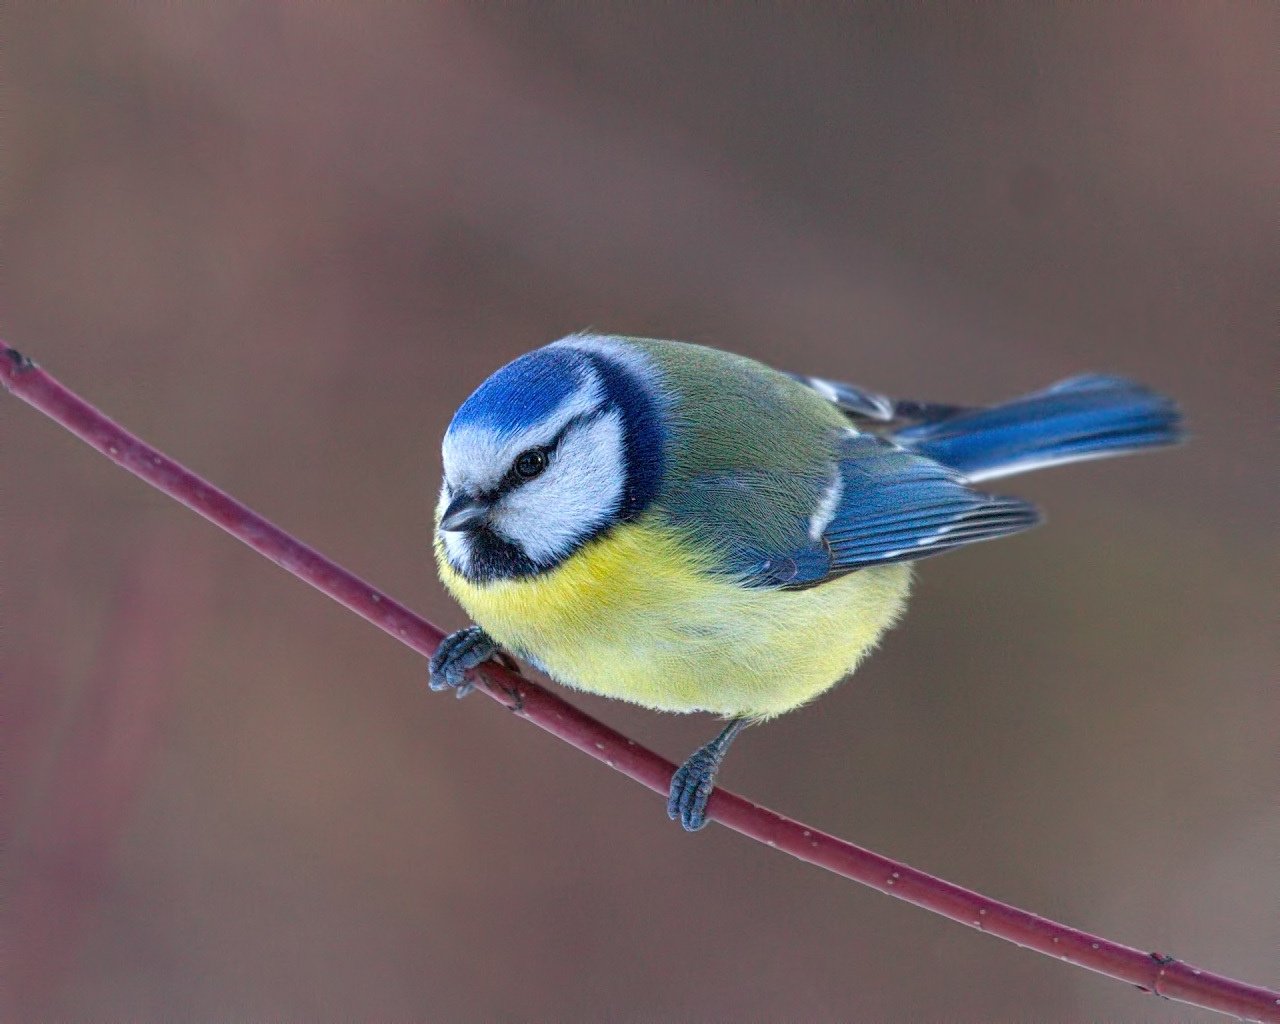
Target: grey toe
(457,655)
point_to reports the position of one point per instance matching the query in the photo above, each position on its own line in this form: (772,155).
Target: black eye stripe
(583,418)
(512,479)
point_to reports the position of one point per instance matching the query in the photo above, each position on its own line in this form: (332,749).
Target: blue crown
(523,392)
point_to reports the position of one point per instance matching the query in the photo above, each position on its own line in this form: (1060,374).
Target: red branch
(1152,972)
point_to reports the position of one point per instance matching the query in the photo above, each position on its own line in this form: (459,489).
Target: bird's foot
(457,655)
(694,780)
(691,788)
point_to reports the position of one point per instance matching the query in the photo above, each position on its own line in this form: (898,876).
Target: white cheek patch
(476,458)
(457,549)
(456,546)
(579,492)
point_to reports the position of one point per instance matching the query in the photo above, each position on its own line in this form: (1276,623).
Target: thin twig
(1152,972)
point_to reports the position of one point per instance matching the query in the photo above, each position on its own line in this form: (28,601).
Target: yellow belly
(634,616)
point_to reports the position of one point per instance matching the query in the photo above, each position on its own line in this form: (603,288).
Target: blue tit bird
(690,530)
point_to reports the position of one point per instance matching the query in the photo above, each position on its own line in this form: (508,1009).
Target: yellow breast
(636,616)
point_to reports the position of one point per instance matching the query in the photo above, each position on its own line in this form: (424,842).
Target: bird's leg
(457,655)
(694,780)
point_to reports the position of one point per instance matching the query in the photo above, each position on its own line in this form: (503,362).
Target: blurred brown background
(283,242)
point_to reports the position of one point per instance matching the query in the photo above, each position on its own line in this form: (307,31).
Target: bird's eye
(529,464)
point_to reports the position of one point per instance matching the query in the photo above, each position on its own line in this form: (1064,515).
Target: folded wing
(877,504)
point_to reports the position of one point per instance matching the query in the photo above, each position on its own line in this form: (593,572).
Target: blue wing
(894,506)
(905,495)
(878,504)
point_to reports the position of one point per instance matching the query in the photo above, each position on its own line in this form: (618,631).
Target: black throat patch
(493,558)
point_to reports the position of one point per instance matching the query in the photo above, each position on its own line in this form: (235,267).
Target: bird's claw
(691,787)
(693,781)
(457,655)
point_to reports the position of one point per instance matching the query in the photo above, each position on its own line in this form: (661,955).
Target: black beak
(464,513)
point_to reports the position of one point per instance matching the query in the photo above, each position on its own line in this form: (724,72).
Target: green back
(750,450)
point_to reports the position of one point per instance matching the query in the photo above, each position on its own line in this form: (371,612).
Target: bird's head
(549,453)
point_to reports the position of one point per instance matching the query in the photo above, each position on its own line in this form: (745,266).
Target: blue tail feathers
(1082,418)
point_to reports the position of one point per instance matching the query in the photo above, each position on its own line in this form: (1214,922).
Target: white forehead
(477,456)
